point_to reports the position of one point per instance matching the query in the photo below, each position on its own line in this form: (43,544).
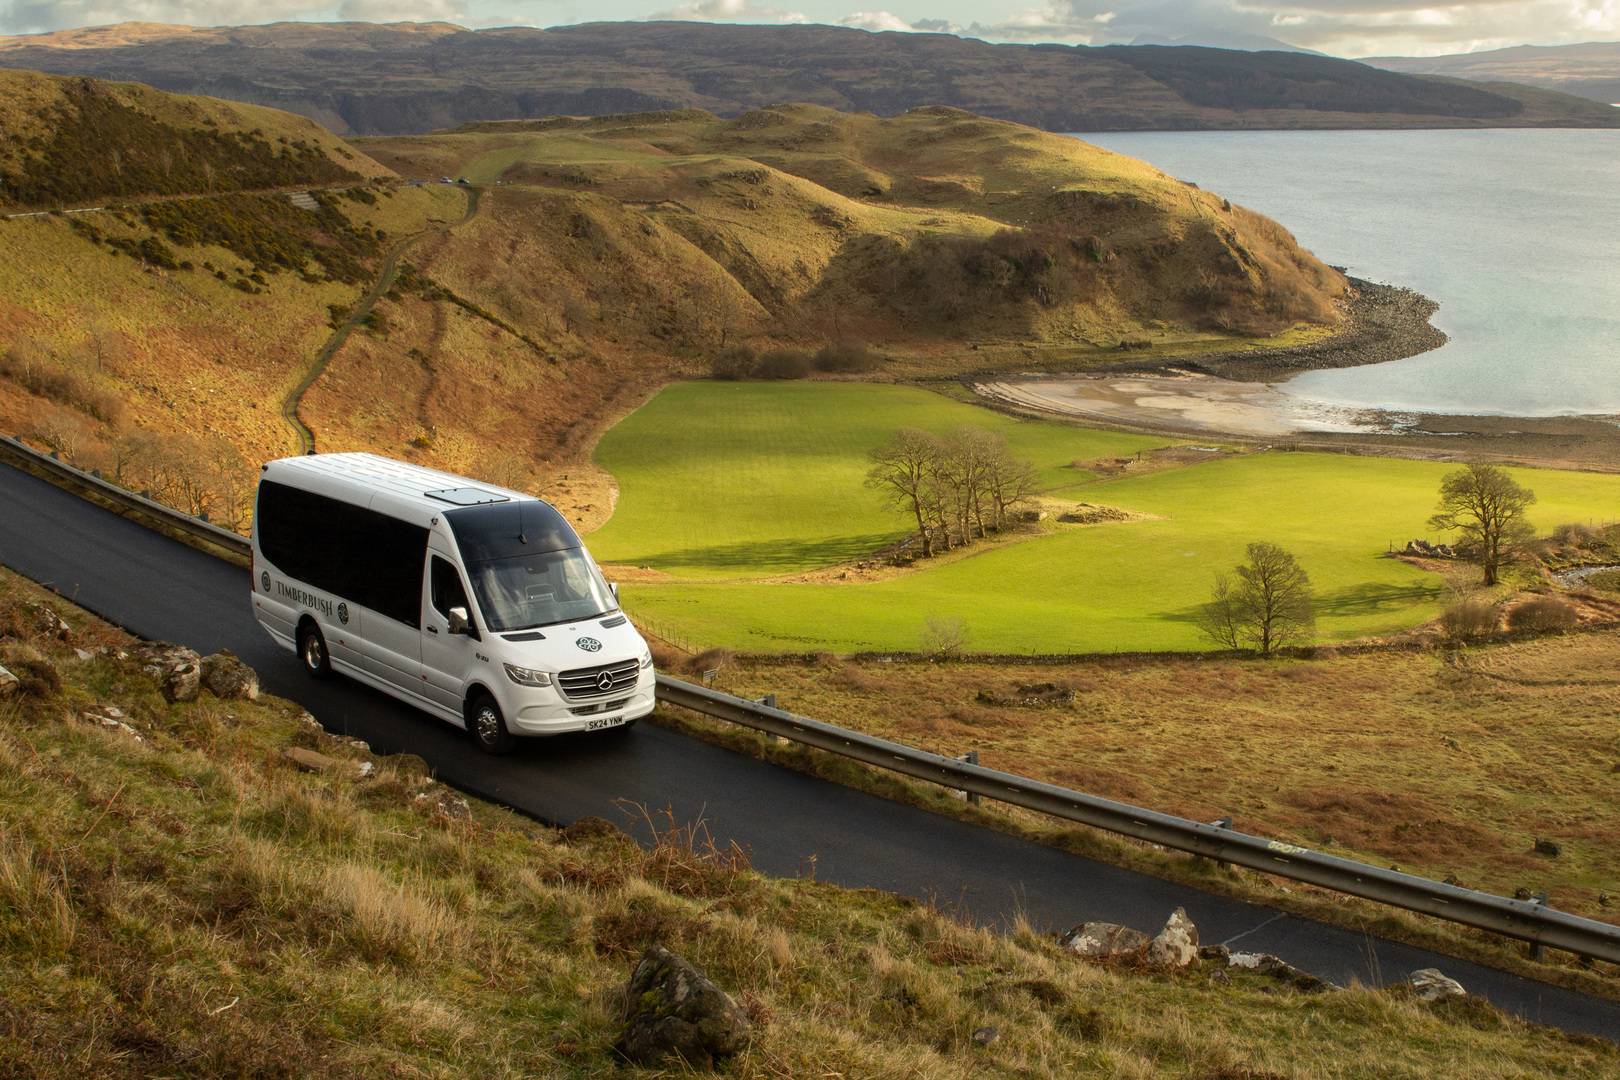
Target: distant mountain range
(412,77)
(1590,71)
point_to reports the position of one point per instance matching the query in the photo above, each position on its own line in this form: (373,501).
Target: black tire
(312,652)
(487,726)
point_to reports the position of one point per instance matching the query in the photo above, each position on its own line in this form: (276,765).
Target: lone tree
(1488,507)
(1264,604)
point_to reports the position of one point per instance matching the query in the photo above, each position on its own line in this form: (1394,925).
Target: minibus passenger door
(446,657)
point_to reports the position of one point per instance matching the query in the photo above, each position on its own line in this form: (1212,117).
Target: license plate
(603,721)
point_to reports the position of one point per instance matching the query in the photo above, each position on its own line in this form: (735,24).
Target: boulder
(986,1035)
(176,669)
(9,683)
(1430,984)
(112,717)
(673,1013)
(1279,969)
(309,760)
(228,678)
(1548,847)
(1176,945)
(47,621)
(1103,940)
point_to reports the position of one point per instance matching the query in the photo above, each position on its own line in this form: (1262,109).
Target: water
(1515,233)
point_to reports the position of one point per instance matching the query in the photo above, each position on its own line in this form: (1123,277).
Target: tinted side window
(446,586)
(340,548)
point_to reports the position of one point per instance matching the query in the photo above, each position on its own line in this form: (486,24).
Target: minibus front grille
(601,707)
(594,682)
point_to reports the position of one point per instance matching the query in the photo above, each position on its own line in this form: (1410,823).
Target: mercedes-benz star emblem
(589,644)
(604,681)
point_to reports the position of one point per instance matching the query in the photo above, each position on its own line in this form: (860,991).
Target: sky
(1340,27)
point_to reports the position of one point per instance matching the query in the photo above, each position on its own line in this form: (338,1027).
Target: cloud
(729,11)
(1341,27)
(875,20)
(38,16)
(452,11)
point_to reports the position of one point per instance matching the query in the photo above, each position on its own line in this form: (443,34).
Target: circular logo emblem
(589,644)
(343,614)
(604,681)
(264,579)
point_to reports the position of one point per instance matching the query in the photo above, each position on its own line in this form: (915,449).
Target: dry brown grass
(1447,764)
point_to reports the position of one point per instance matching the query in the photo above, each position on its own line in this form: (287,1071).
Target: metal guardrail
(1523,919)
(132,501)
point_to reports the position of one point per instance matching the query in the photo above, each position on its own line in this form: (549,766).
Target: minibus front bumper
(558,716)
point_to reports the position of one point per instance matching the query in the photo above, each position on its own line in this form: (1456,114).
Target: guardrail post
(970,758)
(769,701)
(1537,951)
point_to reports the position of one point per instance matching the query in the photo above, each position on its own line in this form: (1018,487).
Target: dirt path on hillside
(385,280)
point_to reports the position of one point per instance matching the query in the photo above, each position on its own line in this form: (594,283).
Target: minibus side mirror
(459,622)
(613,587)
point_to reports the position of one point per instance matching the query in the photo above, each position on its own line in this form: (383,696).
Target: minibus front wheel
(488,726)
(312,650)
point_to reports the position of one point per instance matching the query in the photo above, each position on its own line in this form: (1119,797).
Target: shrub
(943,637)
(1543,613)
(37,371)
(783,364)
(1469,618)
(733,363)
(847,357)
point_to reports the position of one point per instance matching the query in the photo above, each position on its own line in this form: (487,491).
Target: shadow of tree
(766,556)
(1367,598)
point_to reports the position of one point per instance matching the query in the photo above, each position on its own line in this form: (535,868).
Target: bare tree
(1009,481)
(903,470)
(1489,508)
(1264,604)
(943,637)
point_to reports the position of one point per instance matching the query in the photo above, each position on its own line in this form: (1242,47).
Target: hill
(179,897)
(411,77)
(71,140)
(1590,70)
(496,327)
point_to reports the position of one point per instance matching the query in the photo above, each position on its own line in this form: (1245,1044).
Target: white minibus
(472,602)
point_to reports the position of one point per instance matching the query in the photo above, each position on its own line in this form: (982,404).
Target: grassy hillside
(412,77)
(176,898)
(934,225)
(69,141)
(692,461)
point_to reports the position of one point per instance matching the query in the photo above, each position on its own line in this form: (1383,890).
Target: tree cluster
(956,487)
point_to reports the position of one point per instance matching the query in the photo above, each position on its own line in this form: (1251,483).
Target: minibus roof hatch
(466,496)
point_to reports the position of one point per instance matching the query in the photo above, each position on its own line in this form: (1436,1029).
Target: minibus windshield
(527,566)
(522,592)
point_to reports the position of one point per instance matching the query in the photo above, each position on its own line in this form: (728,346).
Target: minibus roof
(396,487)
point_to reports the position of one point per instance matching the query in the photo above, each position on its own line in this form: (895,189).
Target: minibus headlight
(646,660)
(527,676)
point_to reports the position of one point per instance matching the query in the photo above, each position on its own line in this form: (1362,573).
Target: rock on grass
(674,1013)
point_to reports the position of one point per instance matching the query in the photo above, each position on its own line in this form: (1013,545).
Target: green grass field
(744,480)
(722,483)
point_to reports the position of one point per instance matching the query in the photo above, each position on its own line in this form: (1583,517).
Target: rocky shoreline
(1382,323)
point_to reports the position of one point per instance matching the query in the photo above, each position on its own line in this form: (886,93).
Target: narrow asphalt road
(161,589)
